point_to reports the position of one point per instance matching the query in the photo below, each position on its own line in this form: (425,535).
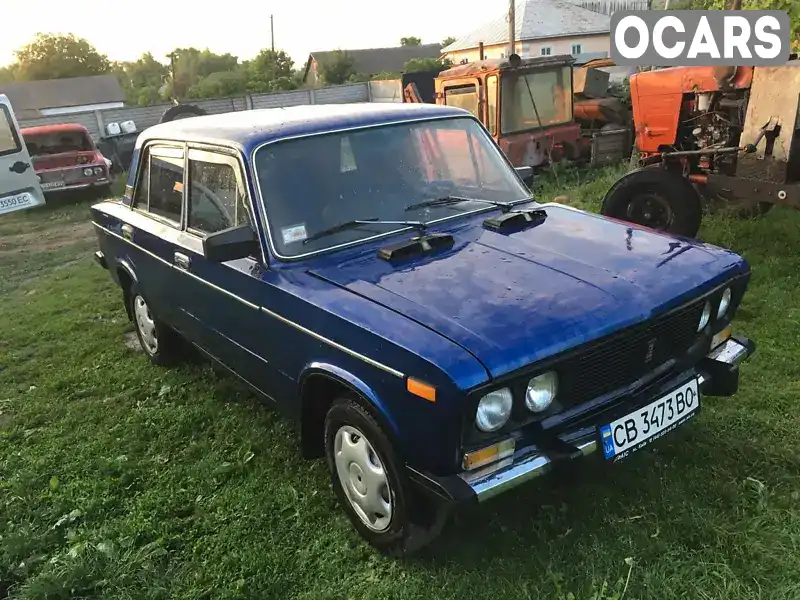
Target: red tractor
(710,137)
(539,110)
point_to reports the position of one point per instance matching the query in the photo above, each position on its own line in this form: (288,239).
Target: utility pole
(512,27)
(272,32)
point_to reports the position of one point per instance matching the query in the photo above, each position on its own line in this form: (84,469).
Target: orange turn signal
(421,389)
(488,455)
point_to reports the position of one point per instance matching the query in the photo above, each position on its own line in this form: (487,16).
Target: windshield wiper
(418,225)
(506,206)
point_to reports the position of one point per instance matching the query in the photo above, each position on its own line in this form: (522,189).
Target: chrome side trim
(490,481)
(127,241)
(336,345)
(266,311)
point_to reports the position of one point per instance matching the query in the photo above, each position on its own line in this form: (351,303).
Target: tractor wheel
(655,198)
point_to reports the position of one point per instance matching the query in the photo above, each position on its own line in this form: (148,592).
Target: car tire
(162,345)
(655,198)
(181,111)
(368,482)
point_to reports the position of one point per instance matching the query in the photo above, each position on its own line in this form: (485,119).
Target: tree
(142,79)
(222,84)
(337,69)
(447,41)
(427,64)
(55,56)
(410,41)
(270,71)
(7,74)
(190,65)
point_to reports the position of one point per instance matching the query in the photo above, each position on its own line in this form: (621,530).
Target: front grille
(624,357)
(68,175)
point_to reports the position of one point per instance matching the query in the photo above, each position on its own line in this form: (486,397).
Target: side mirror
(526,174)
(230,244)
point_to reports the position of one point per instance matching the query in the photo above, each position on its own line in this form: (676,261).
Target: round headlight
(494,409)
(724,303)
(98,170)
(87,171)
(541,392)
(705,317)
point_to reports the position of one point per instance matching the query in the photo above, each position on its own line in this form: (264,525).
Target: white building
(542,28)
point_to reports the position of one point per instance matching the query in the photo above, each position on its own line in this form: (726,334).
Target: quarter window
(216,201)
(160,189)
(9,140)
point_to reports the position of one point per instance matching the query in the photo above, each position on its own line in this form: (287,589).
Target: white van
(19,185)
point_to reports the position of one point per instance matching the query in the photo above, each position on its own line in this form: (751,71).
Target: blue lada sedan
(382,274)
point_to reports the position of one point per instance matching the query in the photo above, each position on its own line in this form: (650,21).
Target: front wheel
(368,481)
(655,198)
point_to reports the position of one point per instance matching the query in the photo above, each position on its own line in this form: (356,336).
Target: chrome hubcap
(363,478)
(145,324)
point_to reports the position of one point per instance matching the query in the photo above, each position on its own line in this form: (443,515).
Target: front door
(225,298)
(19,185)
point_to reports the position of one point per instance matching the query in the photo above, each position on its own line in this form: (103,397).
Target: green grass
(122,480)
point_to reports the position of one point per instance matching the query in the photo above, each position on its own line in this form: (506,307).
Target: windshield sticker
(295,233)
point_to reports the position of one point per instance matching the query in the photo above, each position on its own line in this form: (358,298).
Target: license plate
(52,184)
(16,201)
(635,430)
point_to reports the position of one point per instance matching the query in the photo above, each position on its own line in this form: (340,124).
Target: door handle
(127,232)
(19,167)
(182,261)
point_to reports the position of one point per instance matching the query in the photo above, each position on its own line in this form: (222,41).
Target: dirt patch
(131,340)
(51,238)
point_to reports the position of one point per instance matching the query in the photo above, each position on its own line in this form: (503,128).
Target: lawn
(122,480)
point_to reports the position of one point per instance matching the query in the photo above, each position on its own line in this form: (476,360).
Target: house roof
(29,97)
(371,61)
(247,129)
(536,19)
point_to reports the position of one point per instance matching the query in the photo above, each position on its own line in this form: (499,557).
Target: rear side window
(160,189)
(9,140)
(216,200)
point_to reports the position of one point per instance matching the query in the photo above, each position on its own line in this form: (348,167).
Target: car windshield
(548,93)
(57,142)
(314,183)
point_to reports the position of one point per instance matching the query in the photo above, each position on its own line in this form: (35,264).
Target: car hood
(513,299)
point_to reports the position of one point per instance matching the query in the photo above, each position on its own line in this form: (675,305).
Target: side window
(9,140)
(216,200)
(160,189)
(491,104)
(463,96)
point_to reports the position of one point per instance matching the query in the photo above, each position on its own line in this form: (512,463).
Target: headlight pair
(494,409)
(722,309)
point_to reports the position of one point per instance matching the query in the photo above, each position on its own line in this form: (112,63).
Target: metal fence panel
(87,119)
(389,90)
(342,94)
(295,98)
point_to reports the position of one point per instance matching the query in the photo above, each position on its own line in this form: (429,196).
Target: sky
(241,28)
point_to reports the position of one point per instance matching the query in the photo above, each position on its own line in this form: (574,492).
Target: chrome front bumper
(529,463)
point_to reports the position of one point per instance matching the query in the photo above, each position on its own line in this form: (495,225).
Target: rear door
(19,185)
